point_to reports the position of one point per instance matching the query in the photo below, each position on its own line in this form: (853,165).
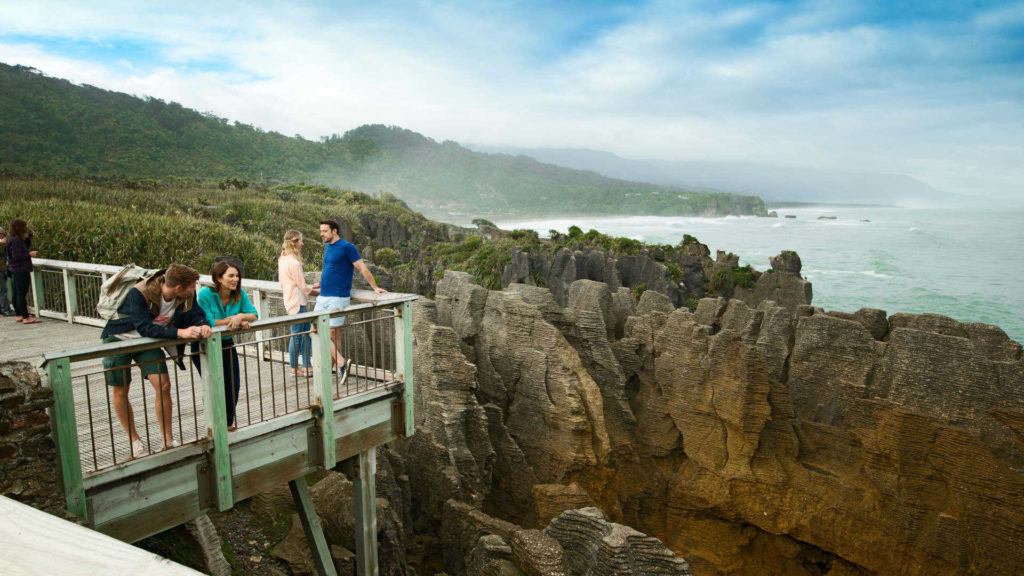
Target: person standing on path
(295,293)
(341,259)
(19,264)
(5,304)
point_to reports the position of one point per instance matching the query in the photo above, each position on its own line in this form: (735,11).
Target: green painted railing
(381,347)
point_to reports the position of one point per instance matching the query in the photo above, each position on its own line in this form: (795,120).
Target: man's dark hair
(332,223)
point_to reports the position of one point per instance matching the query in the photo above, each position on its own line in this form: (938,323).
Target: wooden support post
(323,389)
(70,295)
(311,526)
(403,359)
(38,298)
(65,432)
(366,514)
(217,420)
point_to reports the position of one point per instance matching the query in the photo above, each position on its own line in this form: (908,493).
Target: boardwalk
(28,342)
(267,390)
(287,425)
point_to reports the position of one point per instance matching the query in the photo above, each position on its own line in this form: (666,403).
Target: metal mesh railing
(267,385)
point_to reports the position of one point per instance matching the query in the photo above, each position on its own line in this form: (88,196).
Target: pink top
(293,283)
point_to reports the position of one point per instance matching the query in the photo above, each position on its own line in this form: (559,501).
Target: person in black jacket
(19,264)
(5,304)
(160,306)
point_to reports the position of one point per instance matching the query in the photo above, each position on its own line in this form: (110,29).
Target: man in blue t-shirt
(341,259)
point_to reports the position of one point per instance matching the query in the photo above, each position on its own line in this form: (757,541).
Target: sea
(964,263)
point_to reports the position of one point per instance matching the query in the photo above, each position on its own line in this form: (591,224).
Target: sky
(931,89)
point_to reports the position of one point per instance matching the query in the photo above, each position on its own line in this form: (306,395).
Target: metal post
(217,419)
(366,514)
(38,299)
(311,526)
(70,295)
(65,429)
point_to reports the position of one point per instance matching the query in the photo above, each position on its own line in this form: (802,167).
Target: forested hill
(49,126)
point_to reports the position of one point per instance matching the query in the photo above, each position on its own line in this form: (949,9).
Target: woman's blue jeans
(300,343)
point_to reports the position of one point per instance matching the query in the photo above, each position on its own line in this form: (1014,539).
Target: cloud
(930,90)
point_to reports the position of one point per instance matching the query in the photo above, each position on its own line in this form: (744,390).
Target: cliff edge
(750,440)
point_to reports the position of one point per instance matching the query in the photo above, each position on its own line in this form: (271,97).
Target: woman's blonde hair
(291,244)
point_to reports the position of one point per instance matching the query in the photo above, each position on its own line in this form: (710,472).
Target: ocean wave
(874,274)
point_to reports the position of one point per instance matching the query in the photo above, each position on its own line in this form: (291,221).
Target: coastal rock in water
(782,284)
(786,261)
(871,318)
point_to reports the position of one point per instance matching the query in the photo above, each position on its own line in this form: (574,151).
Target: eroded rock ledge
(750,440)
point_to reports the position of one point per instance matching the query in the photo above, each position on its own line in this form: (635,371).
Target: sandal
(31,320)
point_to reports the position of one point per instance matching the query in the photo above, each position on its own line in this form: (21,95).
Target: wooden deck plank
(30,547)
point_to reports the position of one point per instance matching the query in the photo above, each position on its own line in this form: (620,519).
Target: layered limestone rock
(592,546)
(576,543)
(751,440)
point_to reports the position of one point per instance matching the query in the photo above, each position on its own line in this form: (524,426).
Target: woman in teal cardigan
(226,304)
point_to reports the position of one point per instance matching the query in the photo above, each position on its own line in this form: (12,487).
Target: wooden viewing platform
(288,426)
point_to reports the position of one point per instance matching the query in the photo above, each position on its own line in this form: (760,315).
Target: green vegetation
(52,127)
(691,302)
(152,223)
(119,221)
(743,276)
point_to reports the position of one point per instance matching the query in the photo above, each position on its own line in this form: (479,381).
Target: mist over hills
(49,126)
(776,184)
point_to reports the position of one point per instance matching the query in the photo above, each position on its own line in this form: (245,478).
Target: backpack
(114,290)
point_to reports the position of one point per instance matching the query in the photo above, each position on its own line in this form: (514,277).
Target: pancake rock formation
(749,439)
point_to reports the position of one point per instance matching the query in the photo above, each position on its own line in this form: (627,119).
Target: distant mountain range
(775,184)
(49,126)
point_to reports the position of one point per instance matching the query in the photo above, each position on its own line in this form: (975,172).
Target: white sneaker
(138,448)
(169,445)
(343,371)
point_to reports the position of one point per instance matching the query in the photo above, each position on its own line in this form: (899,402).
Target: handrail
(137,344)
(204,279)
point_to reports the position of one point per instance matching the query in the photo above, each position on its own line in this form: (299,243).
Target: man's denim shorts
(329,302)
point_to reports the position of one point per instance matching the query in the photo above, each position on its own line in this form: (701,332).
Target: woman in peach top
(296,294)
